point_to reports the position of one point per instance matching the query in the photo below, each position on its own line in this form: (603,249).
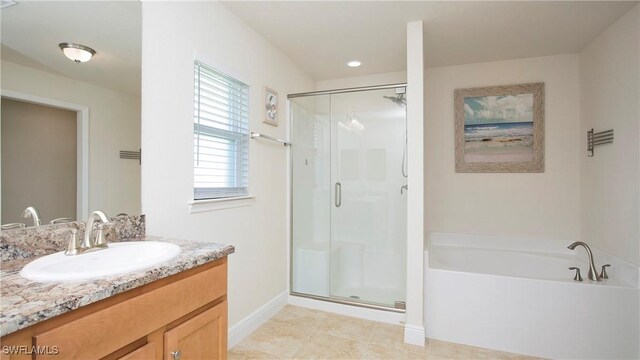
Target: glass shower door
(348,202)
(311,195)
(368,212)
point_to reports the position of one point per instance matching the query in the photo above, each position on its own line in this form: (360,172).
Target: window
(220,135)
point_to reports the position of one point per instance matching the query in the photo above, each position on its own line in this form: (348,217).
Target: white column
(414,332)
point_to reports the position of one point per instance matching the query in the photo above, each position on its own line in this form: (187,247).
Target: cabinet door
(201,337)
(147,352)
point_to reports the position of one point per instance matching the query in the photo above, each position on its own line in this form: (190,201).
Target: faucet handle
(13,226)
(100,238)
(578,277)
(74,244)
(60,221)
(603,273)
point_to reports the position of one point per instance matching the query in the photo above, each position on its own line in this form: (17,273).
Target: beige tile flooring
(300,333)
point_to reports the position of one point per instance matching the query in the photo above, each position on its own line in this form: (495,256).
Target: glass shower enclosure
(349,196)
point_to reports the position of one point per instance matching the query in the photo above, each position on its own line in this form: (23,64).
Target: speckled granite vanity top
(25,303)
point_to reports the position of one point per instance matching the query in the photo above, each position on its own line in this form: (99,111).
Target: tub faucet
(34,213)
(88,230)
(593,274)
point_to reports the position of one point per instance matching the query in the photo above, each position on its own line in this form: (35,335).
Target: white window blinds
(220,135)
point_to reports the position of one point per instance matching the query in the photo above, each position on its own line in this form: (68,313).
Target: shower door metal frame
(309,296)
(347,90)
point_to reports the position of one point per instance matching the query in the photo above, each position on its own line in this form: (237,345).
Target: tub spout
(593,274)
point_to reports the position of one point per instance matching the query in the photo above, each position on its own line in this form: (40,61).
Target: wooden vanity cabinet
(145,352)
(180,317)
(201,337)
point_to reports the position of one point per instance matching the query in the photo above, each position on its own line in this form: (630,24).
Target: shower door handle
(338,194)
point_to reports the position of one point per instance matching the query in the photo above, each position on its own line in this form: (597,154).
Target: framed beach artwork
(500,128)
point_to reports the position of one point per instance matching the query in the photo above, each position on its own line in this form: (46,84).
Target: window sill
(198,206)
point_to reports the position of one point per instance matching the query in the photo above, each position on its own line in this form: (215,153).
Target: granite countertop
(24,303)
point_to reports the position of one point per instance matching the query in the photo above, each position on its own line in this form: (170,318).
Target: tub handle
(603,274)
(578,277)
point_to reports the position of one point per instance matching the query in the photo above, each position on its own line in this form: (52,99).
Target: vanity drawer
(102,332)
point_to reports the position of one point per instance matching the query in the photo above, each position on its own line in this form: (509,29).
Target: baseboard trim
(244,327)
(414,335)
(348,310)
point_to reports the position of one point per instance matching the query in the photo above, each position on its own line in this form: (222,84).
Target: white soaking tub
(518,295)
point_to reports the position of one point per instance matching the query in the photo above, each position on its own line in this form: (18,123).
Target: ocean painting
(498,128)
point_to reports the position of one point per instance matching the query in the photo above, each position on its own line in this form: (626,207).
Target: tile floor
(300,333)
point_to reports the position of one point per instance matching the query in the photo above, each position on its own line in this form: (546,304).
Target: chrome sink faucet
(100,242)
(34,213)
(593,274)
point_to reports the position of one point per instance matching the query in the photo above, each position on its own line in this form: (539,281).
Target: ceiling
(322,36)
(32,30)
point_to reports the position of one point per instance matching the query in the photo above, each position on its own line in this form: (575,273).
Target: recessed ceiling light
(354,63)
(76,52)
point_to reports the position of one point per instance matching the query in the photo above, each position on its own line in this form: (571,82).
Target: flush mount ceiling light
(354,63)
(76,52)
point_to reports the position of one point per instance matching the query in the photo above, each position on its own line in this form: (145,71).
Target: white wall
(171,33)
(414,331)
(609,99)
(114,125)
(530,204)
(395,77)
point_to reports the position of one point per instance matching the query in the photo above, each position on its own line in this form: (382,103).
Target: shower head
(398,99)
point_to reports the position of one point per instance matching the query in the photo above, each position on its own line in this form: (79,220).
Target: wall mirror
(70,131)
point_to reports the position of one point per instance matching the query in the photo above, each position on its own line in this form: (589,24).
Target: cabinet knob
(176,354)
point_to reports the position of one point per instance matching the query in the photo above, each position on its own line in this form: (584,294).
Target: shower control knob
(578,277)
(603,273)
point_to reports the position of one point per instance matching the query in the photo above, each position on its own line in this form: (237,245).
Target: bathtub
(517,295)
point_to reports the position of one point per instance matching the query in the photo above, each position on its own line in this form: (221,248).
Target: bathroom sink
(118,258)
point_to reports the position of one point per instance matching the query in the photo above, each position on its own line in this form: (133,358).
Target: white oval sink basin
(118,258)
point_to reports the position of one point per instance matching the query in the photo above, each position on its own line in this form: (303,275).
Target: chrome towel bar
(257,135)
